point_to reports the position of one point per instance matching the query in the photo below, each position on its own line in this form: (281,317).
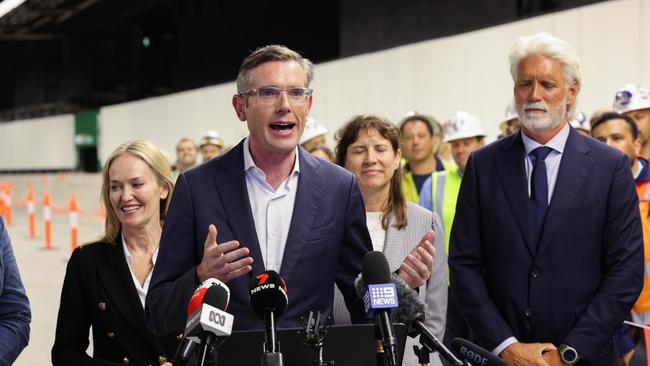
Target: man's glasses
(269,95)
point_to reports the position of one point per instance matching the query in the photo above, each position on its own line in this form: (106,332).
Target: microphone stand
(315,336)
(423,353)
(386,338)
(184,352)
(271,347)
(205,348)
(429,340)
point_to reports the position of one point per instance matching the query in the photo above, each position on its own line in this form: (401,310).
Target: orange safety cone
(9,215)
(31,214)
(47,219)
(73,210)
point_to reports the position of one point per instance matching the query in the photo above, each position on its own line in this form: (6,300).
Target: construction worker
(211,145)
(620,132)
(634,101)
(313,136)
(511,124)
(465,134)
(421,139)
(186,153)
(581,124)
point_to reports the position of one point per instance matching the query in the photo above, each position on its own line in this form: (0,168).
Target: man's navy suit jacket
(327,241)
(579,280)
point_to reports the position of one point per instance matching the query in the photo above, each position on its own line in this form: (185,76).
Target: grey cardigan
(398,244)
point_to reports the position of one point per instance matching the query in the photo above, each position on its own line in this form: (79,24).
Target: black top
(98,292)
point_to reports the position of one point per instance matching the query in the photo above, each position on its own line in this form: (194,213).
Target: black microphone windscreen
(375,268)
(474,354)
(268,291)
(411,308)
(217,296)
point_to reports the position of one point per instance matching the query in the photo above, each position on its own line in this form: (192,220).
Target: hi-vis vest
(641,309)
(445,186)
(408,184)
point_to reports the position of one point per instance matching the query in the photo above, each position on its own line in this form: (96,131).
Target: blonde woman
(106,282)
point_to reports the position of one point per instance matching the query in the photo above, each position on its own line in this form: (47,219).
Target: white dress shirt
(272,210)
(557,143)
(141,289)
(553,159)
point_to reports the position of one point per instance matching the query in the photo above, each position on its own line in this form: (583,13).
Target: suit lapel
(394,246)
(116,278)
(574,168)
(510,168)
(310,192)
(233,193)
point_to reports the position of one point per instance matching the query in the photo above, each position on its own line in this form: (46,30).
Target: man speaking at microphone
(265,205)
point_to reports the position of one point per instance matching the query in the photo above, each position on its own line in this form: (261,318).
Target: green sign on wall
(85,140)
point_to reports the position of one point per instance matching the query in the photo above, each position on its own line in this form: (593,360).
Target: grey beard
(552,119)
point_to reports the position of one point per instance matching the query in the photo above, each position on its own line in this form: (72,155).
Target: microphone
(268,294)
(412,313)
(379,298)
(208,323)
(475,354)
(184,352)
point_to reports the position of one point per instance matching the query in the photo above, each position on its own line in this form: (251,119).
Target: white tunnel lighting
(8,5)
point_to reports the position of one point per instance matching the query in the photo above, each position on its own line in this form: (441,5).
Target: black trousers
(456,326)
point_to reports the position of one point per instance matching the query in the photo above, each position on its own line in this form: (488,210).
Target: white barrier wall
(464,72)
(438,77)
(42,143)
(164,120)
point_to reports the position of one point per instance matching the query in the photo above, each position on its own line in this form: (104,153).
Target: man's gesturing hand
(223,261)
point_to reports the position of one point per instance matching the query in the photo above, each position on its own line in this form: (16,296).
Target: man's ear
(239,103)
(573,90)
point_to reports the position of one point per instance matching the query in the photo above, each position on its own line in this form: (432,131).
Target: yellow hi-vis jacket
(440,197)
(408,183)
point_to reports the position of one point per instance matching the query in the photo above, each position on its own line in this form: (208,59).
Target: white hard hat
(463,125)
(211,138)
(631,98)
(312,129)
(580,122)
(511,113)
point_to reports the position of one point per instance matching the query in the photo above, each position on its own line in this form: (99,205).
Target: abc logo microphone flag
(207,313)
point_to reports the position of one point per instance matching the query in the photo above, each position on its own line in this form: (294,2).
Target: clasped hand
(417,267)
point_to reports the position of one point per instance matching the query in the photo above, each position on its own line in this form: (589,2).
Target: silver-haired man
(547,254)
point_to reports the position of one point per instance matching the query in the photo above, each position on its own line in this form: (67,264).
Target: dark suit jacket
(98,291)
(15,313)
(578,283)
(327,240)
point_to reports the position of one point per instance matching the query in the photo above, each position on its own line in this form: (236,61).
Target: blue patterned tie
(539,188)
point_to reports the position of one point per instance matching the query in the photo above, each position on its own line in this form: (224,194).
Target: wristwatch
(568,354)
